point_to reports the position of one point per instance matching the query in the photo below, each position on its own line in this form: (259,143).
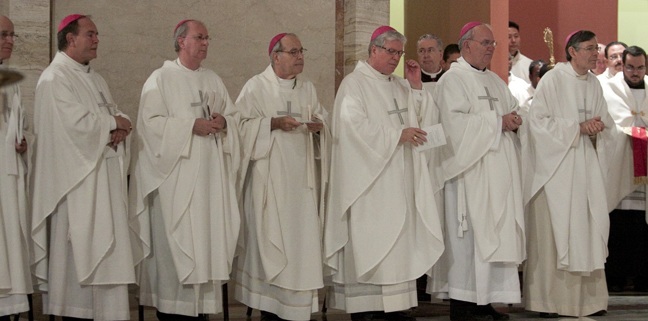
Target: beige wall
(137,36)
(131,48)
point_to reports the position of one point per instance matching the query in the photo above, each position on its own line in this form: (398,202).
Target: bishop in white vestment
(15,276)
(382,230)
(567,137)
(183,208)
(280,269)
(79,227)
(485,240)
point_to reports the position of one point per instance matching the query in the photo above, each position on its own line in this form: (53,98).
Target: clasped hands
(205,127)
(592,126)
(119,134)
(511,121)
(287,123)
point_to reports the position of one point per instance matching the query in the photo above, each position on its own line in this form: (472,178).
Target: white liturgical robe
(79,219)
(281,268)
(382,230)
(15,276)
(627,112)
(565,194)
(485,238)
(520,67)
(183,207)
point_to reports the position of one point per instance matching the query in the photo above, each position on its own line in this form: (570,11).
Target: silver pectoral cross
(584,113)
(398,112)
(288,111)
(490,98)
(202,105)
(106,104)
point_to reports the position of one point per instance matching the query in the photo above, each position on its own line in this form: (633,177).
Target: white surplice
(382,230)
(521,90)
(485,239)
(15,276)
(627,112)
(84,260)
(520,67)
(565,194)
(281,268)
(183,208)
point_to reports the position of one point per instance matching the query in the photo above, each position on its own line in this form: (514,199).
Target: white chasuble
(80,183)
(564,192)
(382,225)
(567,166)
(183,191)
(484,160)
(281,197)
(484,213)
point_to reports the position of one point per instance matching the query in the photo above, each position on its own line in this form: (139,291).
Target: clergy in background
(282,130)
(183,206)
(566,141)
(82,250)
(429,49)
(483,196)
(627,102)
(382,230)
(15,275)
(520,63)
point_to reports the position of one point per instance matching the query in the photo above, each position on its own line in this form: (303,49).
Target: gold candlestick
(548,39)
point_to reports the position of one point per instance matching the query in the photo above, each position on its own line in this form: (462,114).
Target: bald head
(6,38)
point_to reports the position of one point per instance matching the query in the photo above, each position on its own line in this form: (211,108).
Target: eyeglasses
(392,52)
(630,68)
(430,50)
(615,56)
(5,35)
(199,37)
(590,48)
(486,43)
(295,52)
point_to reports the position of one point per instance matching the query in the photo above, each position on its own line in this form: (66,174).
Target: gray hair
(469,35)
(278,47)
(181,32)
(386,36)
(429,36)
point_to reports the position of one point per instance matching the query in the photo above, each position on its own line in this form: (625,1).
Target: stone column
(358,18)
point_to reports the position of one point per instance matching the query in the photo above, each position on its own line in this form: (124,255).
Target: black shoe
(161,316)
(267,316)
(489,310)
(468,315)
(368,316)
(466,311)
(399,316)
(549,315)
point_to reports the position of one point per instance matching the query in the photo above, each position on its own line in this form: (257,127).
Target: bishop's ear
(70,39)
